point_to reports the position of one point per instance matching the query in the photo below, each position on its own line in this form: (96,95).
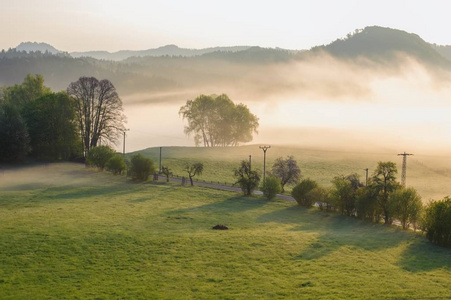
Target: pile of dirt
(220,227)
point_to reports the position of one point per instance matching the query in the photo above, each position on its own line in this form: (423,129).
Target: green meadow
(71,232)
(430,175)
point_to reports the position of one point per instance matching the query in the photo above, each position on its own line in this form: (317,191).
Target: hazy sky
(79,25)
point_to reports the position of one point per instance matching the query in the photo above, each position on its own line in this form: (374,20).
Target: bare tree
(98,110)
(287,171)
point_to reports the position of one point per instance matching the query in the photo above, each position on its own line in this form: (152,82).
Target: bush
(320,195)
(405,205)
(246,178)
(116,164)
(98,156)
(141,167)
(301,192)
(437,222)
(271,187)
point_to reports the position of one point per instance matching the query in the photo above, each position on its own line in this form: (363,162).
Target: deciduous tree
(405,205)
(14,139)
(217,121)
(193,170)
(98,111)
(247,179)
(52,127)
(287,171)
(384,182)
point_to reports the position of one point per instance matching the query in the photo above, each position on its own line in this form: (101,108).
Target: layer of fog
(397,106)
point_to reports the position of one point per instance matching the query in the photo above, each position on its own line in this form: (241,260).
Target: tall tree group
(36,122)
(217,121)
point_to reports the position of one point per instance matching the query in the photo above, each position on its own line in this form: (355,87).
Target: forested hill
(379,43)
(244,67)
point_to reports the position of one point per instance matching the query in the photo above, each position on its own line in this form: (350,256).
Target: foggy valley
(225,150)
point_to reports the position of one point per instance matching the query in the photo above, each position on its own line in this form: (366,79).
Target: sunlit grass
(93,235)
(431,176)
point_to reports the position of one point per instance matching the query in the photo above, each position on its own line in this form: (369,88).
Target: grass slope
(74,233)
(430,175)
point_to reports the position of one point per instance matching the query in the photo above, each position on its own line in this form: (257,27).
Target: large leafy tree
(19,94)
(52,127)
(384,182)
(287,171)
(217,121)
(14,138)
(98,111)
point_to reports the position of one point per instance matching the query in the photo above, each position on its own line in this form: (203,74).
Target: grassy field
(70,232)
(430,175)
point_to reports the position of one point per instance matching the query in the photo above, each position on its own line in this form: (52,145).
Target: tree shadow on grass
(331,231)
(229,205)
(64,193)
(422,256)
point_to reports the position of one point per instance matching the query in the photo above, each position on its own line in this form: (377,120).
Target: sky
(82,25)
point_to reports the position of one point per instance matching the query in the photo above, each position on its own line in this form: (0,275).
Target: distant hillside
(169,50)
(34,47)
(444,51)
(381,43)
(252,72)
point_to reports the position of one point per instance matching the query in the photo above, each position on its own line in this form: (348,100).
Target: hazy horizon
(136,25)
(322,101)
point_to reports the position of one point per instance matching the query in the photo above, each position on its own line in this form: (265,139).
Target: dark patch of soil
(220,227)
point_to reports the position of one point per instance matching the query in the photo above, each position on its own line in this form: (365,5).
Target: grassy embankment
(69,232)
(430,175)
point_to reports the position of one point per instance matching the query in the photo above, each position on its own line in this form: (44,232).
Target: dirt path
(227,188)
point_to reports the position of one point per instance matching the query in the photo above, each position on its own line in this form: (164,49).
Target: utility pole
(123,149)
(250,162)
(404,167)
(264,148)
(366,177)
(160,161)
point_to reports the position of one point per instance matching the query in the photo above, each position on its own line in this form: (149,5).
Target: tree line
(382,198)
(40,124)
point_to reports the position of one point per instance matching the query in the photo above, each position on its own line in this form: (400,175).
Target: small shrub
(98,156)
(301,192)
(271,187)
(141,167)
(116,164)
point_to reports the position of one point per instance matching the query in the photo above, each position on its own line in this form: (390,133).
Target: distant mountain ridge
(374,42)
(169,50)
(34,47)
(170,68)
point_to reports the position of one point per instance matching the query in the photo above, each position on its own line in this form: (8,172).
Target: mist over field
(378,89)
(319,101)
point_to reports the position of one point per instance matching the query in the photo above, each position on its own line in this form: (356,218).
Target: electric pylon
(404,167)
